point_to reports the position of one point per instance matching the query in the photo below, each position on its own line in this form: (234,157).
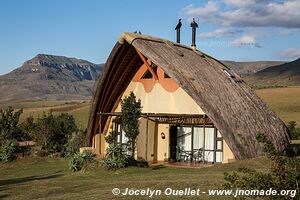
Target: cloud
(248,13)
(291,53)
(239,3)
(290,31)
(246,40)
(221,32)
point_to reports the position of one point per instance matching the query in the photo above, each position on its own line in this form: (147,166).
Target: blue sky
(238,30)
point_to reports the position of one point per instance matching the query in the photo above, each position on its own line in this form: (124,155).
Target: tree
(9,133)
(131,112)
(52,132)
(9,128)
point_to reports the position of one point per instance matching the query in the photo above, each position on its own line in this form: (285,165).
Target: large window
(199,144)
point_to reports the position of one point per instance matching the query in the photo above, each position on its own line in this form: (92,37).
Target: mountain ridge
(287,74)
(50,77)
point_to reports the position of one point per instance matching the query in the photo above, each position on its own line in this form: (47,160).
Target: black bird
(178,25)
(194,24)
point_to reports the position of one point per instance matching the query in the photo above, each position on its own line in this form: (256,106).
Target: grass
(79,109)
(284,101)
(49,178)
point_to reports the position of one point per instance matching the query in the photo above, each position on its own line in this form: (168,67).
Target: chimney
(194,25)
(178,31)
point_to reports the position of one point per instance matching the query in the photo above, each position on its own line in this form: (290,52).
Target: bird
(194,24)
(178,25)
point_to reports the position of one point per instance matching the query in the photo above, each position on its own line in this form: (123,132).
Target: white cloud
(239,3)
(291,53)
(246,40)
(248,13)
(221,32)
(192,11)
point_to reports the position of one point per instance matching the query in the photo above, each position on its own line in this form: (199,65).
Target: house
(194,107)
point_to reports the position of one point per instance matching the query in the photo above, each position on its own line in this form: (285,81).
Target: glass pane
(124,138)
(184,138)
(209,139)
(209,156)
(219,156)
(219,145)
(119,133)
(219,135)
(198,138)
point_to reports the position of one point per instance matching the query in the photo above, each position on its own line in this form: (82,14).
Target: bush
(115,158)
(283,175)
(9,128)
(75,143)
(294,130)
(8,150)
(78,160)
(51,132)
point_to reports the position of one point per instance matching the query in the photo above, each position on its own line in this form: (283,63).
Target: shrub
(9,128)
(8,150)
(294,130)
(78,160)
(283,175)
(115,158)
(75,143)
(52,132)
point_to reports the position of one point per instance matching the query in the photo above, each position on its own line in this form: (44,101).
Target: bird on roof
(178,25)
(194,24)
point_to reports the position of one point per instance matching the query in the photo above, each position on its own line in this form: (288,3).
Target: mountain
(50,77)
(248,68)
(287,74)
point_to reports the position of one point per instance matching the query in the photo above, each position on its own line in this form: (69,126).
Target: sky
(240,30)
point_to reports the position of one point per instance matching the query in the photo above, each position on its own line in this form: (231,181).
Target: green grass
(79,109)
(284,101)
(49,178)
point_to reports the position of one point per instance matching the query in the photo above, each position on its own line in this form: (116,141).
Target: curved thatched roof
(232,106)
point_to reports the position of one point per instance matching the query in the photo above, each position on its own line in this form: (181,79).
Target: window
(147,74)
(121,138)
(199,144)
(229,73)
(166,75)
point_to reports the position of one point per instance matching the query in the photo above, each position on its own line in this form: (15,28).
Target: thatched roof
(229,102)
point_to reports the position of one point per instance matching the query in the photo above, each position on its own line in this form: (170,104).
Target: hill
(50,77)
(287,74)
(248,68)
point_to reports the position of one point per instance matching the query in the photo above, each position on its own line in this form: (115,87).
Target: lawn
(49,178)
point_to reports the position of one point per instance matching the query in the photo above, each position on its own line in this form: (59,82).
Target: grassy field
(79,109)
(284,101)
(41,178)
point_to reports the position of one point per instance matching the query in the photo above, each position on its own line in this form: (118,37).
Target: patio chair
(198,155)
(182,155)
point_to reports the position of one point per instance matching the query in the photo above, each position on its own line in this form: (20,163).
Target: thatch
(232,106)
